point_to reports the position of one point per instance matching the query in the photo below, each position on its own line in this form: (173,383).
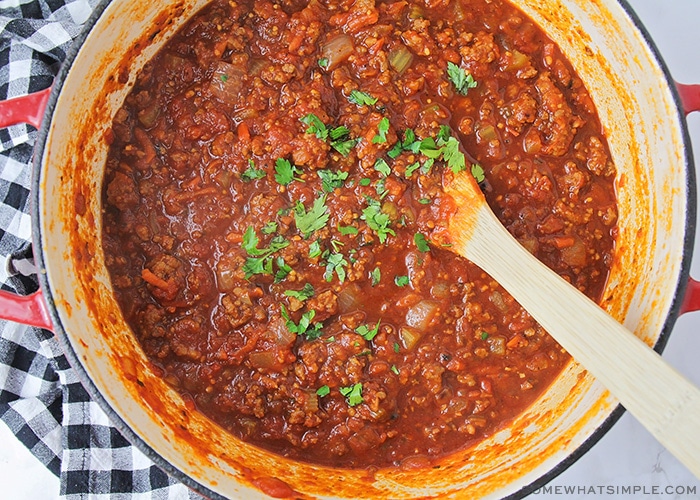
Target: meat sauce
(273,182)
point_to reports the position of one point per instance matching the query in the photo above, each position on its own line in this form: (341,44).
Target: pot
(642,111)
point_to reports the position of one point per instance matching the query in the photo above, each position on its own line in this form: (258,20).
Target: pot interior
(647,139)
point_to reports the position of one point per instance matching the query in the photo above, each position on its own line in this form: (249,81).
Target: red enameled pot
(643,113)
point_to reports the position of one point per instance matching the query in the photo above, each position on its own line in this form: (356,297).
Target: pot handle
(690,97)
(690,100)
(24,109)
(26,309)
(30,309)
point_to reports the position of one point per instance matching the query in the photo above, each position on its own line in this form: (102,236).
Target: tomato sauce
(273,183)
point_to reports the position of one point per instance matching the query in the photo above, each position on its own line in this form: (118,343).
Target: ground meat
(272,187)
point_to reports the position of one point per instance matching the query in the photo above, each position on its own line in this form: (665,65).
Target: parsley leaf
(314,249)
(462,80)
(252,172)
(348,230)
(304,327)
(341,141)
(315,126)
(283,269)
(335,263)
(478,172)
(401,280)
(322,391)
(453,156)
(330,181)
(376,276)
(361,98)
(353,394)
(377,220)
(314,219)
(285,172)
(323,62)
(259,260)
(305,293)
(269,227)
(382,129)
(382,167)
(421,242)
(368,333)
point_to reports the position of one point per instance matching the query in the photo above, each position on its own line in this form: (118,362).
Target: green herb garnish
(362,98)
(335,263)
(330,181)
(462,80)
(305,293)
(382,129)
(314,219)
(401,280)
(421,242)
(377,220)
(285,172)
(252,172)
(353,394)
(366,332)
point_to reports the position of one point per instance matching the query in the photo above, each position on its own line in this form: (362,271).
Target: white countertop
(627,456)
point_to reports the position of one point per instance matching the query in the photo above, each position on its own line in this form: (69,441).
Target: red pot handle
(30,309)
(690,97)
(26,309)
(24,109)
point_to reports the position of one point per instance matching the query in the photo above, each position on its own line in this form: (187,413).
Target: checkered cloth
(41,399)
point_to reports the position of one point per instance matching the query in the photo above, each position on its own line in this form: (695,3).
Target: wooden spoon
(659,397)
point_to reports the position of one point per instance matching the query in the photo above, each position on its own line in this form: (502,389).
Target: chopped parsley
(252,172)
(315,126)
(376,276)
(314,219)
(269,228)
(394,370)
(348,230)
(382,129)
(314,249)
(285,172)
(309,330)
(401,280)
(478,172)
(283,269)
(382,167)
(330,181)
(259,260)
(421,242)
(341,141)
(377,220)
(366,332)
(353,394)
(335,263)
(305,293)
(361,98)
(323,62)
(322,391)
(462,80)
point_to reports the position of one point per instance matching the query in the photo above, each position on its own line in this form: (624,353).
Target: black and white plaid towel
(41,399)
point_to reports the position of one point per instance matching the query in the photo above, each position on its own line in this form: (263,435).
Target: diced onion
(349,298)
(264,359)
(409,337)
(420,315)
(336,50)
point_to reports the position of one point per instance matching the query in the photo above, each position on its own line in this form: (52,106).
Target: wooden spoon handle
(666,403)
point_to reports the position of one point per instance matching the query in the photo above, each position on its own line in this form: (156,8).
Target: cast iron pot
(642,112)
